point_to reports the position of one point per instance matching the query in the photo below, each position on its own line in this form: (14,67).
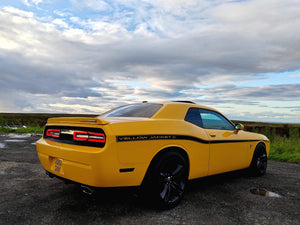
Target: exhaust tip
(87,190)
(49,174)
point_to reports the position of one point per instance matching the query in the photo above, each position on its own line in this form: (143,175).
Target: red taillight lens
(96,137)
(53,133)
(80,135)
(88,136)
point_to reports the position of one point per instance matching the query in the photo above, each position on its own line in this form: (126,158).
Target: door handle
(212,135)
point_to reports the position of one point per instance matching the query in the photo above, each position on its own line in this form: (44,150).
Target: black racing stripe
(127,138)
(191,138)
(231,141)
(153,137)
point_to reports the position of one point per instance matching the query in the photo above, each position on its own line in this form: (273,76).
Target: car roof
(176,110)
(187,103)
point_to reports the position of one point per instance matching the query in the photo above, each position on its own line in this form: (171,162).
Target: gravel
(28,196)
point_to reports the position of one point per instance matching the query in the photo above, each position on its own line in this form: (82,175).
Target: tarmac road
(28,196)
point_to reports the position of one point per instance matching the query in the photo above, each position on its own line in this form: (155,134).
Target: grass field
(285,141)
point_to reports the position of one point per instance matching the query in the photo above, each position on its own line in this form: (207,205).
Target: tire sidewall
(259,151)
(152,186)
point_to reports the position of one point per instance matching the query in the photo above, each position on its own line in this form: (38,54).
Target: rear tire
(166,180)
(258,166)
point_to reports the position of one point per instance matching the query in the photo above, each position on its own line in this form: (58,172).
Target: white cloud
(32,2)
(60,23)
(36,2)
(294,75)
(97,5)
(17,12)
(148,50)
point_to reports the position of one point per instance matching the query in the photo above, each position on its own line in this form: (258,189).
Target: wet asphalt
(28,196)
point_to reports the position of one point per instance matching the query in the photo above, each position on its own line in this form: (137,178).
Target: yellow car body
(128,144)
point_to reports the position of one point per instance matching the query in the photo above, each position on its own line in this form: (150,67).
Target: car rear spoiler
(77,120)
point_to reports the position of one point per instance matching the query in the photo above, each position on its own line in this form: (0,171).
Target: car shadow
(216,180)
(118,202)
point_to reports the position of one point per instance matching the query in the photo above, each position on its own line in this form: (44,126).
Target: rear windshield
(136,110)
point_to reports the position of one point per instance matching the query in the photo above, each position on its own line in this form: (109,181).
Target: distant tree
(267,132)
(2,121)
(293,133)
(273,136)
(17,122)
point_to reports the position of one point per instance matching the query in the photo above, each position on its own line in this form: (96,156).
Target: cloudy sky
(73,56)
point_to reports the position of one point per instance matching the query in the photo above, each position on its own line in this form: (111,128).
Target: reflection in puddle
(19,135)
(264,192)
(14,140)
(2,145)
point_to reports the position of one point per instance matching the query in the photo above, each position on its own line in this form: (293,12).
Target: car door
(227,149)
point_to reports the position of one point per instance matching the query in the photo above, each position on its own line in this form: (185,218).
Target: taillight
(53,133)
(80,135)
(84,136)
(88,136)
(96,137)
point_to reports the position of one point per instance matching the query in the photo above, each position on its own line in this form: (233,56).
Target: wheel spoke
(177,188)
(163,175)
(170,180)
(178,170)
(164,191)
(262,162)
(263,158)
(168,192)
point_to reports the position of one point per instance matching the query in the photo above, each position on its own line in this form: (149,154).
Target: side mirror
(239,127)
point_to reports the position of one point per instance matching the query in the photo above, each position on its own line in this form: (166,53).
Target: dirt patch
(28,196)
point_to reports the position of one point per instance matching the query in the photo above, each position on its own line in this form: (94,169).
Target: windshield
(135,110)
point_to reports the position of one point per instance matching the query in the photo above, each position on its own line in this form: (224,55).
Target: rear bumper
(97,167)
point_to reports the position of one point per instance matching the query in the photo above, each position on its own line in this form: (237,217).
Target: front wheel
(259,162)
(166,180)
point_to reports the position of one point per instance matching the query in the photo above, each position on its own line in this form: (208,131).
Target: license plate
(58,165)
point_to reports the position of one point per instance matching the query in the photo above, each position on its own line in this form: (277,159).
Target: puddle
(14,140)
(33,143)
(2,145)
(19,135)
(264,192)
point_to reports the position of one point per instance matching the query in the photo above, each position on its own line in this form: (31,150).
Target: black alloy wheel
(167,180)
(259,162)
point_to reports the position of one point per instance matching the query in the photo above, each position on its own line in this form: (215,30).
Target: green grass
(33,119)
(36,129)
(285,150)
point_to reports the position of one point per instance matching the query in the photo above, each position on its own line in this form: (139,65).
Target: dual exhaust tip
(85,189)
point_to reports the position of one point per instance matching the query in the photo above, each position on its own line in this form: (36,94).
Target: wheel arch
(258,163)
(261,143)
(176,149)
(257,148)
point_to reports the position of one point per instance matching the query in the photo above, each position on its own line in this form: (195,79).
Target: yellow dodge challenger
(159,146)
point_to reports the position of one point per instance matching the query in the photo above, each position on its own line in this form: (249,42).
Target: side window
(213,120)
(193,116)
